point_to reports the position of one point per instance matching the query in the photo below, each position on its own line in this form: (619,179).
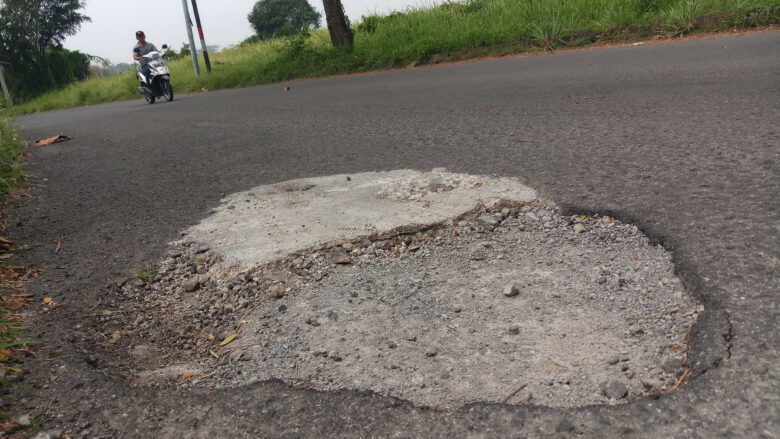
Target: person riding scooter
(141,49)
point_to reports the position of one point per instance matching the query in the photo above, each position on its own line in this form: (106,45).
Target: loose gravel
(514,303)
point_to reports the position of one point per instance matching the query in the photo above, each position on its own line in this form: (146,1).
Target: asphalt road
(680,138)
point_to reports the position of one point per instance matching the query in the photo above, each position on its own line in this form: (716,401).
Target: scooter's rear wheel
(167,90)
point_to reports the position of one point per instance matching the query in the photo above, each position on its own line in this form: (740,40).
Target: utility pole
(200,33)
(8,99)
(193,50)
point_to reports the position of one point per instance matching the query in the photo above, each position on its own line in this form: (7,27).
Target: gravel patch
(511,303)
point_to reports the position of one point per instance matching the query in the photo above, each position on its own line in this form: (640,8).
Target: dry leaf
(5,354)
(187,375)
(112,341)
(583,217)
(47,300)
(55,139)
(229,339)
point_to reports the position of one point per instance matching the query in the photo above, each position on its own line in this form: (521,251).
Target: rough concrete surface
(530,305)
(451,296)
(679,139)
(254,227)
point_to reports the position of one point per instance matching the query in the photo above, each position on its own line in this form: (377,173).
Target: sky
(111,34)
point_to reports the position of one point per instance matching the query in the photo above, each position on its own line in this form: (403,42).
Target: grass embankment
(454,31)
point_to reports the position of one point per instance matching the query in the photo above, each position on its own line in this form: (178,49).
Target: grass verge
(449,32)
(13,346)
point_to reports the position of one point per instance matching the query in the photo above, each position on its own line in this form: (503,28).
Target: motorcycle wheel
(167,91)
(150,99)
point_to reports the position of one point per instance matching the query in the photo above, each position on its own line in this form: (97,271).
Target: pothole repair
(437,288)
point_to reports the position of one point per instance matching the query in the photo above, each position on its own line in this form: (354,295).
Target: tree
(42,23)
(340,32)
(31,37)
(271,18)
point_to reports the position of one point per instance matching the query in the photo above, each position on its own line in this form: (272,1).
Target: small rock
(191,284)
(202,248)
(348,246)
(112,326)
(512,290)
(24,420)
(671,364)
(342,259)
(514,330)
(277,291)
(614,389)
(430,353)
(614,360)
(487,219)
(579,228)
(392,345)
(134,283)
(650,384)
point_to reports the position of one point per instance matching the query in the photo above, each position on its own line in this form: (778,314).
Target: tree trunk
(340,33)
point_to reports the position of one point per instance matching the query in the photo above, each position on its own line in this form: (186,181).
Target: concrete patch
(255,227)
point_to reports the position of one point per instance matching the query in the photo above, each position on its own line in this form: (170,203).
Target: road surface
(680,138)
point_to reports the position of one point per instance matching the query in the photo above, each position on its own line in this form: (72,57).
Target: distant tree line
(31,52)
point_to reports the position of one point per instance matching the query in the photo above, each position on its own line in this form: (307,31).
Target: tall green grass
(11,150)
(455,30)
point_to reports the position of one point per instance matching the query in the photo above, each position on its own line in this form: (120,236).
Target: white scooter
(159,82)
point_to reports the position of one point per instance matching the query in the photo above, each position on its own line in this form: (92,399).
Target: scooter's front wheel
(167,90)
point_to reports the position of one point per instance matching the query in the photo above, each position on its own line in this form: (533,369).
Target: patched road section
(437,288)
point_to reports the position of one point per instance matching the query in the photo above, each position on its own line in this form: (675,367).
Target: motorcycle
(158,84)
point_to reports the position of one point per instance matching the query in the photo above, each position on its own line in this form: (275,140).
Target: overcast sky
(111,34)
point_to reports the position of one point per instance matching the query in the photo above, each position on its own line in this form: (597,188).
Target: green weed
(147,272)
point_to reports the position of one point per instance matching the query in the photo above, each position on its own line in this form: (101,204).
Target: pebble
(203,247)
(430,353)
(514,330)
(614,389)
(512,290)
(134,283)
(191,285)
(579,228)
(671,364)
(487,219)
(341,259)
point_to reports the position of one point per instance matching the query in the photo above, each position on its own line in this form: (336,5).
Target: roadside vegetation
(13,345)
(451,31)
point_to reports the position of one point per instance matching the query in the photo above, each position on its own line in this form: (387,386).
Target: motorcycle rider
(141,49)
